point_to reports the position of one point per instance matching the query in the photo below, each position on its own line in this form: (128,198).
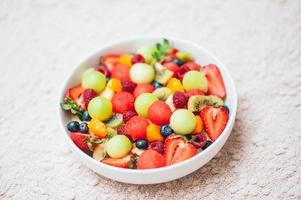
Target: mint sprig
(71,106)
(162,49)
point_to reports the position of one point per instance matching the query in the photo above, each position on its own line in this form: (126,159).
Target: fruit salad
(147,109)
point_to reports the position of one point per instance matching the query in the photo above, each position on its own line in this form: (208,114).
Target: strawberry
(88,95)
(75,92)
(193,66)
(214,121)
(215,81)
(110,60)
(80,140)
(118,162)
(177,150)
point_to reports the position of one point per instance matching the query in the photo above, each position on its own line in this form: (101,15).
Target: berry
(157,146)
(173,51)
(121,72)
(200,140)
(121,130)
(110,60)
(98,128)
(118,162)
(80,140)
(159,113)
(86,117)
(75,92)
(193,66)
(214,120)
(172,67)
(143,88)
(128,86)
(137,58)
(166,130)
(178,62)
(180,100)
(141,144)
(226,108)
(175,85)
(123,101)
(153,133)
(73,126)
(181,72)
(156,84)
(177,150)
(126,60)
(88,95)
(150,159)
(208,143)
(215,81)
(83,127)
(115,84)
(127,115)
(136,127)
(103,69)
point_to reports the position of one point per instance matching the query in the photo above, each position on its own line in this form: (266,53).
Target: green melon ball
(94,79)
(147,52)
(195,80)
(118,146)
(182,121)
(142,73)
(143,102)
(100,108)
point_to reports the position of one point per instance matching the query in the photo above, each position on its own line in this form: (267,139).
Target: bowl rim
(220,139)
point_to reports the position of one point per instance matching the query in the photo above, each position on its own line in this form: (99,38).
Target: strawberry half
(80,140)
(177,150)
(214,120)
(110,60)
(118,162)
(75,92)
(215,81)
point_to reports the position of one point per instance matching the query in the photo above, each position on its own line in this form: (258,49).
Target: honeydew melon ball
(142,73)
(118,146)
(143,102)
(195,80)
(94,79)
(100,108)
(147,52)
(182,121)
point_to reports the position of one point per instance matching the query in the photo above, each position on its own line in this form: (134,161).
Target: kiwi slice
(99,152)
(114,121)
(162,93)
(198,102)
(162,74)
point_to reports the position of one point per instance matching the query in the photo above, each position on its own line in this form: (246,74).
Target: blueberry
(208,143)
(73,126)
(178,62)
(83,127)
(156,84)
(141,144)
(166,130)
(86,117)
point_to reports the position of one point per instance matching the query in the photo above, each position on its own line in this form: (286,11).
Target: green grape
(94,79)
(142,73)
(195,80)
(147,52)
(118,146)
(143,102)
(100,108)
(182,121)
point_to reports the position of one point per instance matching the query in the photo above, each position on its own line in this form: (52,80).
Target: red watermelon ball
(159,113)
(136,127)
(123,101)
(150,159)
(143,88)
(121,72)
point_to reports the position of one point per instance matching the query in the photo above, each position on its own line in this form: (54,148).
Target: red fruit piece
(110,60)
(181,72)
(193,92)
(192,66)
(103,69)
(121,72)
(127,115)
(88,95)
(137,58)
(172,67)
(215,81)
(180,99)
(118,162)
(177,150)
(75,92)
(121,130)
(123,101)
(150,159)
(159,113)
(136,127)
(173,51)
(128,86)
(143,88)
(157,146)
(214,121)
(80,140)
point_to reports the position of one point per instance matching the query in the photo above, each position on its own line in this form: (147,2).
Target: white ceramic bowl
(160,175)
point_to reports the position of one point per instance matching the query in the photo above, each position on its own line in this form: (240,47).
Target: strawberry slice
(215,81)
(110,60)
(75,92)
(177,150)
(80,140)
(214,120)
(118,162)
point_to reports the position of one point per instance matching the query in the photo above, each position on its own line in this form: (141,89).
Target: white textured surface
(259,41)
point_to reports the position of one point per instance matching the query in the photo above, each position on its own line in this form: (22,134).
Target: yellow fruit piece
(199,125)
(115,84)
(97,128)
(126,60)
(153,133)
(175,85)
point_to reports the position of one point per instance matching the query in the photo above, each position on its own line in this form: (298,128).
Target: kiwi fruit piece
(99,152)
(169,102)
(162,93)
(115,121)
(198,102)
(111,132)
(162,74)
